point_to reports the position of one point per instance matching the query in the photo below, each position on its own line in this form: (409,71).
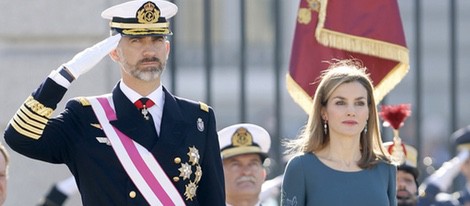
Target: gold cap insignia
(242,137)
(148,13)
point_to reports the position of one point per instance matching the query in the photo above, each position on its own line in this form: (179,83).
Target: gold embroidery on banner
(304,15)
(314,5)
(38,108)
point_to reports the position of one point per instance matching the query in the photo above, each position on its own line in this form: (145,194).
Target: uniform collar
(156,96)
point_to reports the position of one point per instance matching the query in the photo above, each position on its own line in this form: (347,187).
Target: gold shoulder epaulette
(84,101)
(204,106)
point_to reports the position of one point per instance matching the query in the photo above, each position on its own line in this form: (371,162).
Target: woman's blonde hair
(313,137)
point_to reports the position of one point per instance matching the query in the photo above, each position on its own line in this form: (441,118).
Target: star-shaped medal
(185,171)
(190,191)
(193,155)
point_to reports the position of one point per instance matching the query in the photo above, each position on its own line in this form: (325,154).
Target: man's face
(244,175)
(406,189)
(3,179)
(142,57)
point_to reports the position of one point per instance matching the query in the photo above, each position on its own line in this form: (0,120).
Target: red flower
(395,115)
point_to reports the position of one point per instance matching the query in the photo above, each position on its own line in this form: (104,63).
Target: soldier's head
(144,26)
(407,173)
(243,148)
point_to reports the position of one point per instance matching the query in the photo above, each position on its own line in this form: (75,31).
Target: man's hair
(409,169)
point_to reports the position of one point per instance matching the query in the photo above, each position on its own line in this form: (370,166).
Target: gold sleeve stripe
(24,132)
(204,106)
(29,121)
(38,108)
(26,126)
(32,115)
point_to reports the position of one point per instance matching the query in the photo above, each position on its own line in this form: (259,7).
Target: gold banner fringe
(390,81)
(363,45)
(298,94)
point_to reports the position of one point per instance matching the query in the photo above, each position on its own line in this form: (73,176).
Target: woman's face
(347,110)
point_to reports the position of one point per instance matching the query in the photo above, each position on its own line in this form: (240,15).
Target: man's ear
(168,49)
(264,174)
(114,55)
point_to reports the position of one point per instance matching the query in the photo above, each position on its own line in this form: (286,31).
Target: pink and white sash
(141,166)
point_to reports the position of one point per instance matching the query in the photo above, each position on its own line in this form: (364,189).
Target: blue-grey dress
(307,181)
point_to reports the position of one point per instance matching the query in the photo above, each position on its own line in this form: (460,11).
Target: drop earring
(325,127)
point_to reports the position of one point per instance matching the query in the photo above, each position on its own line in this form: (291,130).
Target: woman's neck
(341,154)
(347,149)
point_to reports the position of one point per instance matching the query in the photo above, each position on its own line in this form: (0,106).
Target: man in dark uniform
(434,188)
(407,173)
(244,147)
(138,145)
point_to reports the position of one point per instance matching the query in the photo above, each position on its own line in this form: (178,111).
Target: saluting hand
(88,58)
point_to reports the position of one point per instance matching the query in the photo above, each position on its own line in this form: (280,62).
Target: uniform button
(132,194)
(177,160)
(176,179)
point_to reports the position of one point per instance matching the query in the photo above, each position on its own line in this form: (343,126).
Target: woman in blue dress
(339,157)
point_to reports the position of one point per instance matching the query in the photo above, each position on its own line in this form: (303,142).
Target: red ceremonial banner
(370,31)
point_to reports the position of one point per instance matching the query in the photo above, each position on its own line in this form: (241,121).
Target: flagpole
(208,53)
(242,61)
(453,69)
(278,64)
(417,68)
